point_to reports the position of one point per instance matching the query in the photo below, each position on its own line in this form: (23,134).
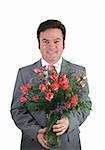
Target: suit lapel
(35,75)
(66,67)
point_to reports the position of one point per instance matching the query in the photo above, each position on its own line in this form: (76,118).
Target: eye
(46,41)
(56,42)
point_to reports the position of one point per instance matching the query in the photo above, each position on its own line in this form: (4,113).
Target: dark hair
(51,24)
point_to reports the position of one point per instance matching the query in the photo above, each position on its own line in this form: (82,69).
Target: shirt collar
(57,65)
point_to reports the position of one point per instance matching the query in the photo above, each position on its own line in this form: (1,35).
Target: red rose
(64,85)
(36,97)
(48,83)
(49,96)
(23,99)
(67,104)
(69,95)
(28,85)
(82,84)
(55,86)
(24,89)
(63,76)
(49,67)
(54,76)
(77,78)
(74,100)
(37,70)
(64,82)
(42,87)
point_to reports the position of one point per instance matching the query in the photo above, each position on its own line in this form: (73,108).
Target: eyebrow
(45,39)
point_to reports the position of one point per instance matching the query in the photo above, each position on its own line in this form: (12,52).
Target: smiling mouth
(51,52)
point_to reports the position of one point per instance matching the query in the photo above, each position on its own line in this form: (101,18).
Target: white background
(85,45)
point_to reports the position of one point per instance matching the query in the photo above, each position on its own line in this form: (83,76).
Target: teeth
(50,52)
(50,49)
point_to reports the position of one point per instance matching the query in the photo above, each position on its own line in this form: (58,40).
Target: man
(51,38)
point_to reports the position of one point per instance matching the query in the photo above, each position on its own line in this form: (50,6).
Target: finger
(57,126)
(59,129)
(45,146)
(61,132)
(43,130)
(60,125)
(42,141)
(60,121)
(63,120)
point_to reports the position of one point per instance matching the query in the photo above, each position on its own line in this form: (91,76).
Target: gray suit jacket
(29,123)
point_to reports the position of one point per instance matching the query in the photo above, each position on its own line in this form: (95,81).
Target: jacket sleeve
(78,117)
(21,116)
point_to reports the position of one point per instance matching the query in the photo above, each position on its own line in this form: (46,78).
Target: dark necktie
(53,67)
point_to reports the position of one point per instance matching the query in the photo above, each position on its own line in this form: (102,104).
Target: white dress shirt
(57,65)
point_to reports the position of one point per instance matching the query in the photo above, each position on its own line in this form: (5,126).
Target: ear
(63,44)
(39,44)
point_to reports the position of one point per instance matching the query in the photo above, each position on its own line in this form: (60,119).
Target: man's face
(51,45)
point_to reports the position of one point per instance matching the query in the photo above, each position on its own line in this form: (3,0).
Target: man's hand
(61,126)
(41,138)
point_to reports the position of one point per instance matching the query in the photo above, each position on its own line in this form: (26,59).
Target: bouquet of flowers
(56,95)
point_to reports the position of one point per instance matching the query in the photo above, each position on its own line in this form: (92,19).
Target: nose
(51,45)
